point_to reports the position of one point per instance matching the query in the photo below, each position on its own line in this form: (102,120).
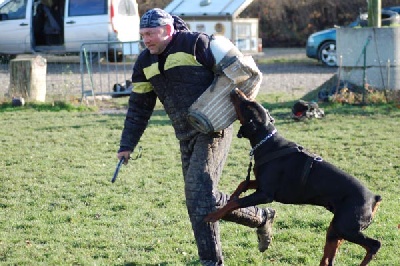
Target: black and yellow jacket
(177,77)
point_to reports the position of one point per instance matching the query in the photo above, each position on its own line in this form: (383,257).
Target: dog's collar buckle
(270,135)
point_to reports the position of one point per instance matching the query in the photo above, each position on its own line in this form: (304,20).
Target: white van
(79,21)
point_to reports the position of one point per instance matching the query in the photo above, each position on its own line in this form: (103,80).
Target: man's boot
(264,232)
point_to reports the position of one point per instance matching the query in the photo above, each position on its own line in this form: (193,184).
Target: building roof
(213,8)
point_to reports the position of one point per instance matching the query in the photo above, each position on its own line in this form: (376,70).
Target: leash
(247,181)
(248,173)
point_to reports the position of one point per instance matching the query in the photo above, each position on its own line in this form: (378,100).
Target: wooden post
(28,78)
(374,13)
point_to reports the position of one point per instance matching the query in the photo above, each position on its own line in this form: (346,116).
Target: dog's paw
(212,218)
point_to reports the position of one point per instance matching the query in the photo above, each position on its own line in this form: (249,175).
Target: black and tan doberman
(286,173)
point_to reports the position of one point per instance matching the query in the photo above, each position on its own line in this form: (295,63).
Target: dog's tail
(375,206)
(378,198)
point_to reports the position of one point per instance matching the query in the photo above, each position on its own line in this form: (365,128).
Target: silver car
(321,45)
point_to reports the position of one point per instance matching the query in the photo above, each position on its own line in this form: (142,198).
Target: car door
(125,20)
(85,21)
(15,27)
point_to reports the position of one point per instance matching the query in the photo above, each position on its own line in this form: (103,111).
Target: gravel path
(299,77)
(302,76)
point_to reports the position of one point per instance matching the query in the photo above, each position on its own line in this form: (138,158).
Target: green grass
(58,206)
(51,107)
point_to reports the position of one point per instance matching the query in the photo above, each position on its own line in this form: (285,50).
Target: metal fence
(107,73)
(99,69)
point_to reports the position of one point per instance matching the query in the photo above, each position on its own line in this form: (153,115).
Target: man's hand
(124,154)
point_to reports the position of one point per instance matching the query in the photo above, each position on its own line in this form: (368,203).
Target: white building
(220,17)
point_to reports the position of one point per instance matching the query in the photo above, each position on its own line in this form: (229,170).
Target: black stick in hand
(117,169)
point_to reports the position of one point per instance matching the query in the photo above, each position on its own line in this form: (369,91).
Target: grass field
(58,206)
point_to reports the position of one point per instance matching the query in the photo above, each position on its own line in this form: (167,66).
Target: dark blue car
(321,45)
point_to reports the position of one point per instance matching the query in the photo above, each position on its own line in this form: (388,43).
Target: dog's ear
(270,119)
(258,112)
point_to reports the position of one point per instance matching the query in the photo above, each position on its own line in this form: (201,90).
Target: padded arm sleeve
(240,69)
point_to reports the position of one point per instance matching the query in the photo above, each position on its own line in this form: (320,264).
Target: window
(15,9)
(87,7)
(243,29)
(200,28)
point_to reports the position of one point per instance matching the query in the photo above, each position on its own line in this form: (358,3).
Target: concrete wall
(382,61)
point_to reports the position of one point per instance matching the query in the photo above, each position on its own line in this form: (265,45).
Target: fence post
(28,78)
(374,13)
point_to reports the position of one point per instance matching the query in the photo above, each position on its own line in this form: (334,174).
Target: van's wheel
(327,54)
(115,56)
(6,58)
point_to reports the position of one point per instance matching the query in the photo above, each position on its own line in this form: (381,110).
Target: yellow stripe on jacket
(142,87)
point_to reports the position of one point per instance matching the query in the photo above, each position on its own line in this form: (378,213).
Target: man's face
(155,39)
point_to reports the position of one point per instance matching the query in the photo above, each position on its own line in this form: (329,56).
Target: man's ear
(169,29)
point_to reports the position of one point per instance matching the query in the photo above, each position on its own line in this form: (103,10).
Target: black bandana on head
(155,17)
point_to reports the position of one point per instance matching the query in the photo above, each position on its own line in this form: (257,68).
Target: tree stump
(28,78)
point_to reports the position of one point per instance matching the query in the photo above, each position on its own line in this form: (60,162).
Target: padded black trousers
(203,158)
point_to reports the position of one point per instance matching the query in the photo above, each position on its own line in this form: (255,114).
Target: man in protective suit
(177,66)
